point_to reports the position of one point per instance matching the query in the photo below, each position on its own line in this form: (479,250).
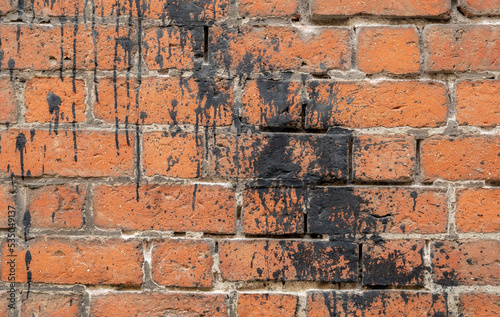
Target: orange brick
(462,48)
(8,300)
(68,8)
(173,154)
(7,206)
(466,157)
(478,103)
(479,305)
(383,158)
(179,208)
(52,305)
(479,7)
(57,207)
(478,210)
(165,101)
(467,262)
(415,104)
(8,101)
(267,305)
(183,262)
(274,8)
(53,100)
(78,261)
(6,6)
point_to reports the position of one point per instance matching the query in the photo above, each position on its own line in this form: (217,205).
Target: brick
(276,48)
(67,8)
(78,261)
(462,48)
(375,303)
(171,154)
(8,101)
(466,262)
(325,9)
(415,104)
(288,260)
(55,101)
(479,7)
(6,6)
(178,208)
(478,210)
(268,304)
(351,210)
(44,47)
(273,8)
(67,153)
(275,211)
(272,103)
(7,300)
(479,305)
(392,50)
(159,304)
(57,207)
(280,156)
(52,305)
(204,102)
(383,158)
(466,157)
(7,205)
(478,103)
(393,263)
(183,262)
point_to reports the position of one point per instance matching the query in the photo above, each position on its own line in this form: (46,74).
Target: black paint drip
(21,147)
(54,102)
(26,224)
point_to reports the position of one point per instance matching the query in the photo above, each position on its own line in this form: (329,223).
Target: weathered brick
(55,101)
(288,260)
(479,7)
(393,262)
(7,6)
(384,104)
(52,305)
(281,156)
(159,304)
(8,101)
(7,205)
(9,301)
(478,210)
(273,8)
(67,153)
(57,207)
(183,262)
(204,102)
(273,211)
(179,208)
(466,262)
(171,154)
(466,157)
(350,210)
(479,304)
(375,303)
(67,8)
(478,103)
(462,48)
(268,304)
(388,49)
(77,261)
(383,158)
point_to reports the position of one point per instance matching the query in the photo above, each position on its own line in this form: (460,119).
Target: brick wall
(250,157)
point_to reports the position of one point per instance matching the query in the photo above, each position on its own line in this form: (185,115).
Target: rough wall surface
(250,158)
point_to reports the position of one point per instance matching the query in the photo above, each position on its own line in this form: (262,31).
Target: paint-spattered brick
(7,6)
(93,261)
(7,205)
(288,260)
(280,156)
(384,104)
(325,9)
(479,304)
(273,8)
(272,103)
(393,262)
(67,153)
(478,210)
(468,262)
(8,101)
(174,100)
(383,158)
(478,103)
(173,154)
(183,262)
(159,304)
(479,7)
(467,157)
(179,208)
(388,49)
(376,303)
(52,305)
(66,8)
(267,304)
(55,101)
(335,210)
(461,48)
(57,207)
(273,211)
